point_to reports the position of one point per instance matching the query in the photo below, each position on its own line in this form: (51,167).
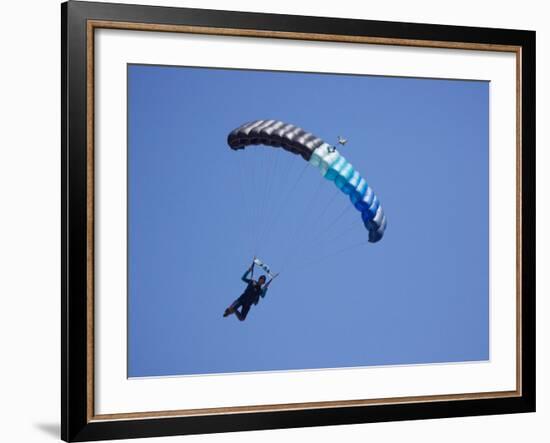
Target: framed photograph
(276,221)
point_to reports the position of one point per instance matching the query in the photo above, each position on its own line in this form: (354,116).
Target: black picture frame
(76,422)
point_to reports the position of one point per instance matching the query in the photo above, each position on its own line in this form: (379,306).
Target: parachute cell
(332,165)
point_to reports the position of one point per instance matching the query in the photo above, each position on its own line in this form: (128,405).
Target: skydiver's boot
(227,312)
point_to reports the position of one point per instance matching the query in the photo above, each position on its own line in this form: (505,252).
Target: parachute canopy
(331,163)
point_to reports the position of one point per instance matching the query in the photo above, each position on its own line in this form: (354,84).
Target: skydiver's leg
(233,307)
(244,311)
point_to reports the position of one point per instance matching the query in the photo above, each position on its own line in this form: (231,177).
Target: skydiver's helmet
(261,279)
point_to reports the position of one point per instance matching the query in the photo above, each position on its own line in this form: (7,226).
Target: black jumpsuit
(251,294)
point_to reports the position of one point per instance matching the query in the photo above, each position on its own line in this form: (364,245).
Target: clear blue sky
(198,211)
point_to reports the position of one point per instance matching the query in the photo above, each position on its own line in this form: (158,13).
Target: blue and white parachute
(331,163)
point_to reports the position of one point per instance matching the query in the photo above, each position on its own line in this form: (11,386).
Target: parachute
(333,166)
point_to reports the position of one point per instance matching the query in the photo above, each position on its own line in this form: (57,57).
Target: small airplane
(341,140)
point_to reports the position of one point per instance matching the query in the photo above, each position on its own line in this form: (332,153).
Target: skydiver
(251,295)
(341,140)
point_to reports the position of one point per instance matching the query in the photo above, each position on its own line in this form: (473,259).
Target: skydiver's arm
(245,275)
(266,286)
